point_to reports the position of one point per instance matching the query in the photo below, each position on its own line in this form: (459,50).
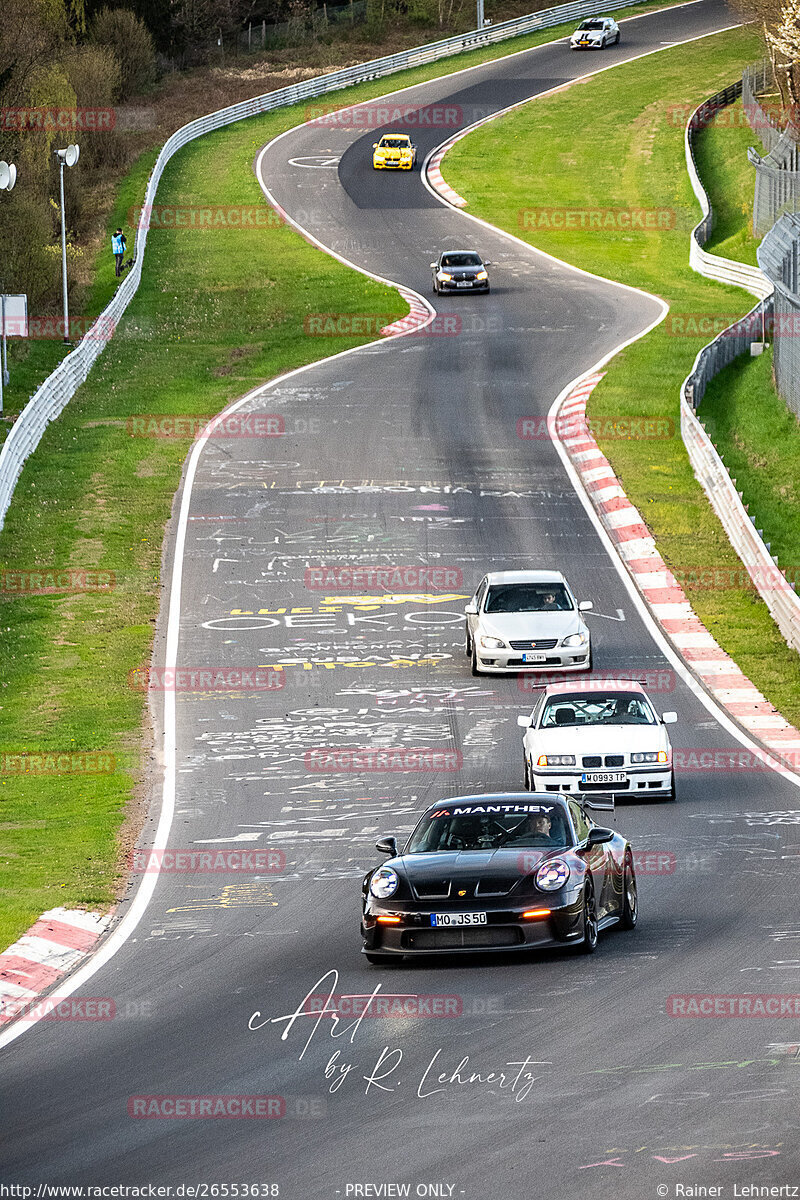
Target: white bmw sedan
(598,736)
(520,620)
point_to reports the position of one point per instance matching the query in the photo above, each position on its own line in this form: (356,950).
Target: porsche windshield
(610,708)
(541,827)
(461,260)
(527,597)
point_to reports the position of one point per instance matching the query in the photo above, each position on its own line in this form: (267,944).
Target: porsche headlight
(575,639)
(492,643)
(384,883)
(556,760)
(650,756)
(552,875)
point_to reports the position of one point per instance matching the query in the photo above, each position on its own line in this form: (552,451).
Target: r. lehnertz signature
(384,1075)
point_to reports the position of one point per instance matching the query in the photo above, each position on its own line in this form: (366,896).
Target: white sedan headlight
(556,760)
(384,883)
(552,875)
(650,756)
(575,639)
(492,643)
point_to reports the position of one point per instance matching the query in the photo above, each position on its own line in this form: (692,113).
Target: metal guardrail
(762,566)
(58,389)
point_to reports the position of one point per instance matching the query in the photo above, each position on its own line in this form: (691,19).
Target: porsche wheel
(616,40)
(630,896)
(588,943)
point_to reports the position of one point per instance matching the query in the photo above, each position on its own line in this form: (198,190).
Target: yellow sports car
(394,150)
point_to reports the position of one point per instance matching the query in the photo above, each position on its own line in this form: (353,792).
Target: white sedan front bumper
(642,781)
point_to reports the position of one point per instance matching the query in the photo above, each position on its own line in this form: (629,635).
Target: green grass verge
(720,152)
(547,154)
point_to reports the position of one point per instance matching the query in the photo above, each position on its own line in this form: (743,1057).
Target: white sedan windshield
(610,708)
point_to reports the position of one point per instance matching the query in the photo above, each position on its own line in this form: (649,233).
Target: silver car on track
(526,620)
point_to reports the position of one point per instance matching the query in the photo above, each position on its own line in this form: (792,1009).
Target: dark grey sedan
(460,271)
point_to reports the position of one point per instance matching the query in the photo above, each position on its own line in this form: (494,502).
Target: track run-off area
(494,1076)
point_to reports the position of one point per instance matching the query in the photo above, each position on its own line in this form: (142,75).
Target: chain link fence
(777,187)
(779,258)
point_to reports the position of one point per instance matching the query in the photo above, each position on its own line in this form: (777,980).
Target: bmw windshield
(611,708)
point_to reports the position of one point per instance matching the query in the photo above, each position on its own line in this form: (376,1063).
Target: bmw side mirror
(585,606)
(669,718)
(471,609)
(387,845)
(524,722)
(598,836)
(433,266)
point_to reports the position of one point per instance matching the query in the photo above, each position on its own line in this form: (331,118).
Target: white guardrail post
(59,387)
(762,567)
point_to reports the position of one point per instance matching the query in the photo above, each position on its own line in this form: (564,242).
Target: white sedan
(594,34)
(526,620)
(598,736)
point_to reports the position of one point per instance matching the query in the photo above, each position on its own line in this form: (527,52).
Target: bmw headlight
(575,639)
(492,643)
(482,275)
(650,756)
(384,883)
(552,875)
(556,760)
(443,275)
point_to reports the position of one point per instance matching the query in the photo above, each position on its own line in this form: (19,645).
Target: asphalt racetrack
(548,1076)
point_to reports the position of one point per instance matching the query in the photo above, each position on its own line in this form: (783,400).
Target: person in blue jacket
(118,246)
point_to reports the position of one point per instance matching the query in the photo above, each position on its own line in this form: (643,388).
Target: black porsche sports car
(507,871)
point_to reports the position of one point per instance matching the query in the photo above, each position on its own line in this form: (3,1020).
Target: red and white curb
(434,173)
(635,545)
(54,946)
(416,319)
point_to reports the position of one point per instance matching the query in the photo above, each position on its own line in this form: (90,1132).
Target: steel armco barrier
(59,387)
(777,185)
(779,258)
(779,596)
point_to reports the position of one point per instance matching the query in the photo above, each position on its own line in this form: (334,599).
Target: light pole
(8,177)
(69,157)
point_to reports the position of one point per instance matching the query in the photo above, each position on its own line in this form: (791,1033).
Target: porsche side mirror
(471,609)
(669,718)
(585,606)
(598,836)
(387,845)
(524,722)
